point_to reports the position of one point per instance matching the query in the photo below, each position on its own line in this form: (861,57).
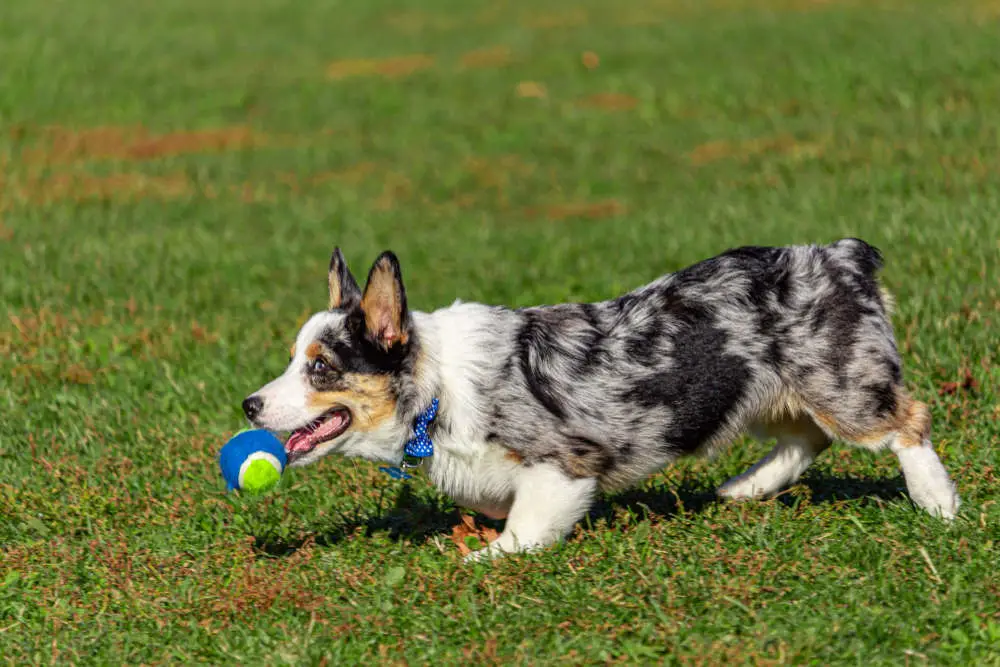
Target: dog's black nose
(252,407)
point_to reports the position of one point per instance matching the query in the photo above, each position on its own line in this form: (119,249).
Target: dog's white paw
(740,488)
(941,502)
(504,546)
(928,482)
(484,555)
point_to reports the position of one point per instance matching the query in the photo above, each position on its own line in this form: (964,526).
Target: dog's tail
(866,257)
(868,261)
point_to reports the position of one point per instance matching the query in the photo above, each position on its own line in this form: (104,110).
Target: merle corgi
(539,409)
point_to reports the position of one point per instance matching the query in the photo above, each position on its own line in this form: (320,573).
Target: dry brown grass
(78,186)
(58,144)
(532,89)
(609,101)
(742,150)
(390,68)
(605,208)
(565,19)
(491,57)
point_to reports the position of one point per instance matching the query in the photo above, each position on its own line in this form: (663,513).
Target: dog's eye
(318,366)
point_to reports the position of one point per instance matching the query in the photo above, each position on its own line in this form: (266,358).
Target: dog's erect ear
(387,320)
(344,290)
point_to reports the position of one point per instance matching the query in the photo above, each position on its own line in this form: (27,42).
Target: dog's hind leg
(799,442)
(908,435)
(928,482)
(547,504)
(907,432)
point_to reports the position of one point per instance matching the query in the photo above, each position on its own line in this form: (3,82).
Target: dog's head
(347,369)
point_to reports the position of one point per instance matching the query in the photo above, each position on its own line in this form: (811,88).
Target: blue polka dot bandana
(420,446)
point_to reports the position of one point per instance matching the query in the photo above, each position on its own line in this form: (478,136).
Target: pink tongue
(306,439)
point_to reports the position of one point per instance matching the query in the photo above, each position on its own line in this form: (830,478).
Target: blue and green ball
(253,461)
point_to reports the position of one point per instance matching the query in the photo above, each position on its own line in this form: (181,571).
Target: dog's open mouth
(325,427)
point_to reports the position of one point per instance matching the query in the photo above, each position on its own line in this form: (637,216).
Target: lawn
(175,175)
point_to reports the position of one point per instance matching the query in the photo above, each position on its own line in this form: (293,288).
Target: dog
(541,408)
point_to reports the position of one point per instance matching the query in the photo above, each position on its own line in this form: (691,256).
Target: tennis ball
(253,461)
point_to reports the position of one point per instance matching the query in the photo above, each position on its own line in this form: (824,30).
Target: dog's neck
(463,350)
(456,353)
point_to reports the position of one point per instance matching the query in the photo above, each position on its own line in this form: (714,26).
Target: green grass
(150,282)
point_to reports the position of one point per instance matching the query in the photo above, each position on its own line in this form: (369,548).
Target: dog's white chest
(480,477)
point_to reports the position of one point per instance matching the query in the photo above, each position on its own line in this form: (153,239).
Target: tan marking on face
(513,456)
(368,397)
(383,306)
(314,349)
(291,351)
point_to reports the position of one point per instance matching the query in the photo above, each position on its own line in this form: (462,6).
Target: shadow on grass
(692,497)
(409,518)
(830,488)
(416,519)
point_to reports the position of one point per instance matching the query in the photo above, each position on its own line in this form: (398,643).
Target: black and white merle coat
(542,407)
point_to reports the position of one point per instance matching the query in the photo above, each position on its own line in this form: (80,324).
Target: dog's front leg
(547,504)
